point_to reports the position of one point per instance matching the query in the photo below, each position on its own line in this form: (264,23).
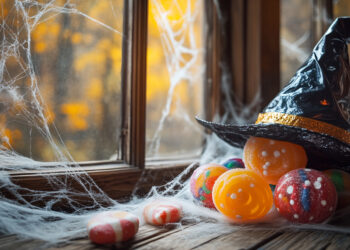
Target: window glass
(295,44)
(341,8)
(75,60)
(174,78)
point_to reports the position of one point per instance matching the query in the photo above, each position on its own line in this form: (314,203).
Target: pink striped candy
(162,212)
(112,226)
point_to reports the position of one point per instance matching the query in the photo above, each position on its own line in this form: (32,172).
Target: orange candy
(242,195)
(272,158)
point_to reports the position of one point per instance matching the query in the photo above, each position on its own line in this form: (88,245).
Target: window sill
(117,180)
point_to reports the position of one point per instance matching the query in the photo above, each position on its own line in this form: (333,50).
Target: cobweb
(35,213)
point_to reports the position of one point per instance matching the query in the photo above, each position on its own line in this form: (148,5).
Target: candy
(234,163)
(272,158)
(305,196)
(202,182)
(112,226)
(341,181)
(162,212)
(242,195)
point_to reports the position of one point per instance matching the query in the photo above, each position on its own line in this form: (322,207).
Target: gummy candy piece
(202,182)
(305,196)
(162,212)
(112,226)
(234,163)
(242,195)
(341,181)
(272,158)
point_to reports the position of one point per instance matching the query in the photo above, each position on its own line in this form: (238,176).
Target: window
(234,55)
(175,74)
(75,66)
(76,55)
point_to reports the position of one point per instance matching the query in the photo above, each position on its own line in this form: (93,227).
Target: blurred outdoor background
(77,64)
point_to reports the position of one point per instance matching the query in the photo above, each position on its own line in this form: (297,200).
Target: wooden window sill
(117,180)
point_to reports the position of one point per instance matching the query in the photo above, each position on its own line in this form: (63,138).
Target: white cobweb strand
(175,48)
(21,216)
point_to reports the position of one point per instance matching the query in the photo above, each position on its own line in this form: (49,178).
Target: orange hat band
(307,123)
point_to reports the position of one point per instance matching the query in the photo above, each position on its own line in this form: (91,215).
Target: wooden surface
(196,236)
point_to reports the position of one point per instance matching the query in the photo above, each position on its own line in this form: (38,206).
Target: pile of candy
(272,173)
(243,194)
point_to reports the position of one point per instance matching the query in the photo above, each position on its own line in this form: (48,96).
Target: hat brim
(321,148)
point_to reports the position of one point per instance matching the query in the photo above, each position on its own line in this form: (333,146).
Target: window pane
(75,49)
(341,8)
(174,78)
(296,44)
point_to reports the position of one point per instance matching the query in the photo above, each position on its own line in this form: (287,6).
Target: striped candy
(112,226)
(162,212)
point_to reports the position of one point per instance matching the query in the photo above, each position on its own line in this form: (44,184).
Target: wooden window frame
(242,33)
(118,178)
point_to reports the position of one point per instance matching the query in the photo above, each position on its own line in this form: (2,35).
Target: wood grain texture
(309,240)
(262,52)
(195,236)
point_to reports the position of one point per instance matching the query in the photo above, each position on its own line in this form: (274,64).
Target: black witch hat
(313,110)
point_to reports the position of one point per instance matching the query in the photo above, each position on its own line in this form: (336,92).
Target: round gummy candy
(305,196)
(242,195)
(341,181)
(272,158)
(234,163)
(202,182)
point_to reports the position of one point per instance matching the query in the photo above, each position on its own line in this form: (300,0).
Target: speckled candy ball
(234,163)
(305,196)
(202,182)
(341,181)
(273,158)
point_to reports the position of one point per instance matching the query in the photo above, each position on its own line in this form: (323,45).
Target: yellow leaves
(76,115)
(94,90)
(155,55)
(40,47)
(116,55)
(96,57)
(45,35)
(89,58)
(157,84)
(8,136)
(99,9)
(77,38)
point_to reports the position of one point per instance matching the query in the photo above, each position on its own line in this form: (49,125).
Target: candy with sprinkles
(112,226)
(162,212)
(242,195)
(341,181)
(273,158)
(234,163)
(305,196)
(202,182)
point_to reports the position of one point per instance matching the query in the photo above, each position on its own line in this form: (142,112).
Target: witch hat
(313,110)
